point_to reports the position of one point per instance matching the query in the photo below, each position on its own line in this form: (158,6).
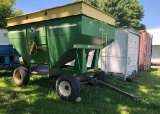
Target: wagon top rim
(61,12)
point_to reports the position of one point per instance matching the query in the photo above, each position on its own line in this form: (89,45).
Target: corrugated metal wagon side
(49,39)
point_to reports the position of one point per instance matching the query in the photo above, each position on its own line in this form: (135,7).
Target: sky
(151,7)
(152,13)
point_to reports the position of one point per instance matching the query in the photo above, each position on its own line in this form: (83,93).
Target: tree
(127,12)
(7,10)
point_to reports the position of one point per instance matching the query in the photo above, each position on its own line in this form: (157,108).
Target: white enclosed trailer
(121,58)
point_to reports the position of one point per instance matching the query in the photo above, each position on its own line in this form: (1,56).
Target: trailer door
(133,53)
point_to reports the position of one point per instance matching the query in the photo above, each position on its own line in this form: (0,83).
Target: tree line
(7,10)
(126,12)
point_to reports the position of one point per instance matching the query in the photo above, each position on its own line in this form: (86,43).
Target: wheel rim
(17,77)
(65,88)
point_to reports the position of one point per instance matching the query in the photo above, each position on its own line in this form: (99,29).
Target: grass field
(40,97)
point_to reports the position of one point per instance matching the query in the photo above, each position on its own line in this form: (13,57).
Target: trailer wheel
(21,76)
(102,76)
(68,88)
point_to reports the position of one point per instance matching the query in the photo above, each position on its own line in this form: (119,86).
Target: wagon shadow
(6,73)
(44,82)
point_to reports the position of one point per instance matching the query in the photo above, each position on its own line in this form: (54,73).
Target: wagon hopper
(47,40)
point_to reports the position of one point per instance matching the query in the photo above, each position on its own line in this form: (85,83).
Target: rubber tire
(21,76)
(102,76)
(75,87)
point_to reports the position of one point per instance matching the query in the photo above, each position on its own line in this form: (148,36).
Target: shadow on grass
(153,69)
(40,97)
(43,81)
(95,100)
(146,86)
(6,73)
(56,106)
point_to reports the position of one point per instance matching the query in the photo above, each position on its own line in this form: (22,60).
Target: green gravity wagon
(49,39)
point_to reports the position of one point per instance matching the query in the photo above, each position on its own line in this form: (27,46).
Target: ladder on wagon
(104,42)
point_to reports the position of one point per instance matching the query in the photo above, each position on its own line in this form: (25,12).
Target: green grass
(40,97)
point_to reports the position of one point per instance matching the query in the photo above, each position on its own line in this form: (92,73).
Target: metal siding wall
(113,57)
(116,65)
(155,54)
(116,53)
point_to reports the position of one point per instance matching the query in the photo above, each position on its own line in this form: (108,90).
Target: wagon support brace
(82,56)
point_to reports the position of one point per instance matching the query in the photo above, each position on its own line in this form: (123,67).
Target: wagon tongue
(118,90)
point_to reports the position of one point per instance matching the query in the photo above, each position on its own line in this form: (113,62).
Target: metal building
(155,60)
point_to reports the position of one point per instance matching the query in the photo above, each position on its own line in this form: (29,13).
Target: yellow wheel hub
(17,77)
